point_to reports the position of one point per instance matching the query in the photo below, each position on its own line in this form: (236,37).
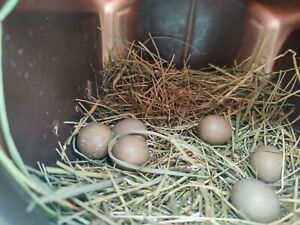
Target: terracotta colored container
(269,24)
(52,50)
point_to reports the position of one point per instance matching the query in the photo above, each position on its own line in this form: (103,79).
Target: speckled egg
(93,140)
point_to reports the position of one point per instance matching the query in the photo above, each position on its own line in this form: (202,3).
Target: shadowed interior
(49,61)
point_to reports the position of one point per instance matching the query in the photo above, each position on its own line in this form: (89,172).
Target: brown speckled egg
(129,125)
(256,200)
(214,129)
(93,139)
(267,161)
(131,149)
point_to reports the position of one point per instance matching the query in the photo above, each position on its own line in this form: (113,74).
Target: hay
(155,90)
(186,180)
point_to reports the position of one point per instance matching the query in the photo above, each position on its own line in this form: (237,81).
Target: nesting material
(154,89)
(186,180)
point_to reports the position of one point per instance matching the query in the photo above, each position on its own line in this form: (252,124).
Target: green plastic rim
(6,9)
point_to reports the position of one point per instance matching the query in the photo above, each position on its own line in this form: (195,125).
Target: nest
(155,90)
(186,181)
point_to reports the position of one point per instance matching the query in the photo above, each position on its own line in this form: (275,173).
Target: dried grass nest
(186,180)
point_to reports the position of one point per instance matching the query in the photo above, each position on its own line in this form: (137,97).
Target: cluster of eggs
(254,198)
(251,196)
(94,138)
